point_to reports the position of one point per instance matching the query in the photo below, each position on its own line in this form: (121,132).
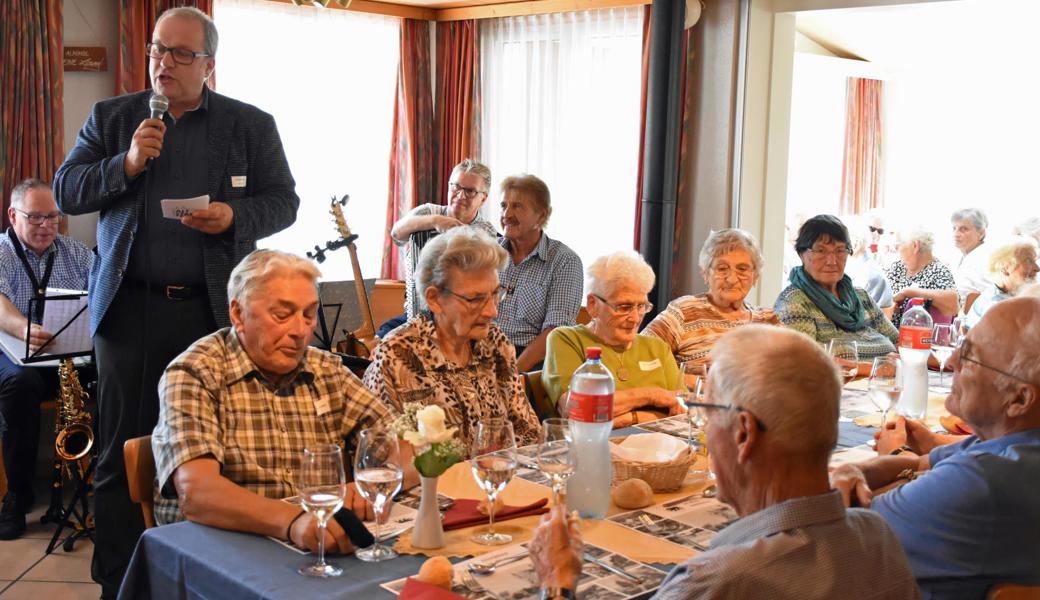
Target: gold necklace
(622,372)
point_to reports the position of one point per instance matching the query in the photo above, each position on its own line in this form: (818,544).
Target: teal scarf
(846,311)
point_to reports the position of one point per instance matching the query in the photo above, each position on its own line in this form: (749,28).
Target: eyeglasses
(961,355)
(743,272)
(736,407)
(839,253)
(467,193)
(627,309)
(877,230)
(479,301)
(38,219)
(181,56)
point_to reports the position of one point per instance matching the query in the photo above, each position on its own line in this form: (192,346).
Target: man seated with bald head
(973,521)
(772,425)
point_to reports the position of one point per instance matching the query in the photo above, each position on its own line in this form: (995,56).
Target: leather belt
(172,291)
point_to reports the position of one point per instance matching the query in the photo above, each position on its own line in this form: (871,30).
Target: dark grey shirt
(164,251)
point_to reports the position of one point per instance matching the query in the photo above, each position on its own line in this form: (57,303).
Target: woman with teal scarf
(821,301)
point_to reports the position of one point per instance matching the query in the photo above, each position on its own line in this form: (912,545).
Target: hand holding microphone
(148,138)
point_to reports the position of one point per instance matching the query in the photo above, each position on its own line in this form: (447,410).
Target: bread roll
(632,493)
(436,571)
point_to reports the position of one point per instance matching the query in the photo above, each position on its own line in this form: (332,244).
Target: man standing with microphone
(159,284)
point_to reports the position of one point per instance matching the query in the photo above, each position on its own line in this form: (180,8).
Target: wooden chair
(542,405)
(1012,591)
(140,474)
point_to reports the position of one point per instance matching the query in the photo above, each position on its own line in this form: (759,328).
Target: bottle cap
(917,302)
(593,353)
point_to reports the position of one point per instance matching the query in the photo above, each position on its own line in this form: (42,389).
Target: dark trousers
(139,335)
(22,389)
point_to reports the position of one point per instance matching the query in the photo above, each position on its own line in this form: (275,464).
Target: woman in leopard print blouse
(452,354)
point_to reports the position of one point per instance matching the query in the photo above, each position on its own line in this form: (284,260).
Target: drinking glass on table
(556,458)
(701,409)
(885,385)
(323,484)
(846,354)
(690,392)
(493,464)
(945,338)
(378,475)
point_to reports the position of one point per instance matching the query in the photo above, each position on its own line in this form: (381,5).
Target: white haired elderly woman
(452,354)
(1013,267)
(918,274)
(730,262)
(643,367)
(972,272)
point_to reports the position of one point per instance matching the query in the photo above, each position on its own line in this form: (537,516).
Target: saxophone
(73,423)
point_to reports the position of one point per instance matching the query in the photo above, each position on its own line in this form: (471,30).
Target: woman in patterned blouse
(918,274)
(821,301)
(452,354)
(730,262)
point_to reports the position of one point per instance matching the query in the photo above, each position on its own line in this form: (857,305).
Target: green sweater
(648,363)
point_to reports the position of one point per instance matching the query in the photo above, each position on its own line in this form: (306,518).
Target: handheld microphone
(158,105)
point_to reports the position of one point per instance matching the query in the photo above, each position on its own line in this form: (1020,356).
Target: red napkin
(417,590)
(464,513)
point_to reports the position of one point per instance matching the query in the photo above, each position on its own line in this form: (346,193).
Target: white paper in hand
(175,208)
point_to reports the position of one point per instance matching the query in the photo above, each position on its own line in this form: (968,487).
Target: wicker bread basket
(662,476)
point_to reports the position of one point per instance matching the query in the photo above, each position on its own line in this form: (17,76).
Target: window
(328,77)
(561,101)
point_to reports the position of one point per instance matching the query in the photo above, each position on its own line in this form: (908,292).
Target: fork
(474,586)
(649,523)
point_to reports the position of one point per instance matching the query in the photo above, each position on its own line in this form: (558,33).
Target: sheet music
(61,310)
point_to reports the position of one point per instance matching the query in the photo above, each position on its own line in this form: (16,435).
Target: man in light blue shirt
(972,520)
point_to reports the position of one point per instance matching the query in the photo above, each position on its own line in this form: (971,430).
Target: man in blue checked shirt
(33,257)
(543,277)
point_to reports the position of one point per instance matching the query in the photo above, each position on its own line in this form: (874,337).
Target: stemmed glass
(846,354)
(378,476)
(323,485)
(944,339)
(556,458)
(493,464)
(885,385)
(702,419)
(691,380)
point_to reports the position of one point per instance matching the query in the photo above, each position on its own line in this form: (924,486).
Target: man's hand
(353,501)
(305,533)
(146,143)
(37,337)
(850,481)
(443,223)
(556,549)
(215,219)
(892,435)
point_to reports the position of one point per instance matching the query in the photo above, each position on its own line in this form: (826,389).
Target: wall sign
(86,58)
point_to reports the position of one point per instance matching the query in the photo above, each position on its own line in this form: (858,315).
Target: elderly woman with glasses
(643,367)
(821,301)
(918,274)
(1012,265)
(730,262)
(452,354)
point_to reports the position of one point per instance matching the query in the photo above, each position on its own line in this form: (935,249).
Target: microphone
(158,104)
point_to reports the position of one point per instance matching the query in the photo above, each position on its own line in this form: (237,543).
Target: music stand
(338,311)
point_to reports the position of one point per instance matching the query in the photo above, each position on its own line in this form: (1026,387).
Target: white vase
(428,531)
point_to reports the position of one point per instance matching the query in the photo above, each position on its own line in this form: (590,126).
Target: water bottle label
(591,408)
(917,338)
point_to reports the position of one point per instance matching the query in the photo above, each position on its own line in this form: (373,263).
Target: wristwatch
(901,449)
(557,593)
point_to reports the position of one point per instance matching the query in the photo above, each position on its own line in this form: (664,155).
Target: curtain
(458,103)
(561,101)
(136,22)
(861,165)
(31,106)
(644,73)
(411,142)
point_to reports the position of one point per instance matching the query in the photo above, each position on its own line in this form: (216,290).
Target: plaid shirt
(543,291)
(214,402)
(71,267)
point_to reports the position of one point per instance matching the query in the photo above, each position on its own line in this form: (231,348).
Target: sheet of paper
(61,311)
(690,521)
(175,208)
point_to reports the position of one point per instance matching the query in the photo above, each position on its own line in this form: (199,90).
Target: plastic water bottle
(590,410)
(915,344)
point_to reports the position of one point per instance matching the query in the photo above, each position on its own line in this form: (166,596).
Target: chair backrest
(540,402)
(140,474)
(1012,591)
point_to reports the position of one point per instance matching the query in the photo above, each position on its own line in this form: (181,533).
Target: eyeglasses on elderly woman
(479,301)
(627,308)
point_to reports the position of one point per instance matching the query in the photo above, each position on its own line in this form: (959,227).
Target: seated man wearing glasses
(970,522)
(644,368)
(467,192)
(452,354)
(33,257)
(771,401)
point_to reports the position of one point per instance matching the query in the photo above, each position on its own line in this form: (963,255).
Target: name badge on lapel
(238,181)
(649,365)
(321,405)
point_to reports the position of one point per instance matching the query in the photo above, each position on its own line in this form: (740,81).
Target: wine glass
(846,354)
(691,378)
(944,339)
(885,385)
(712,489)
(493,464)
(323,484)
(556,458)
(378,476)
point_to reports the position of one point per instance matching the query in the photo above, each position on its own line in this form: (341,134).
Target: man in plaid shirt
(238,407)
